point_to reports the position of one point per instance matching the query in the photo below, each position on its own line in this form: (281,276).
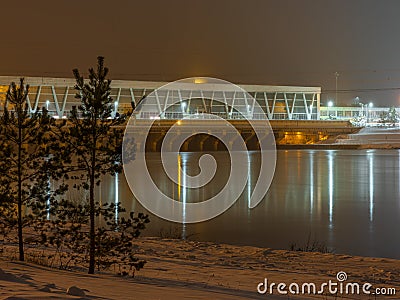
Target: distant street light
(330,104)
(47,104)
(370,105)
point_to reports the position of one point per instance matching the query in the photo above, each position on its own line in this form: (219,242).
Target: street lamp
(336,78)
(370,105)
(47,105)
(330,104)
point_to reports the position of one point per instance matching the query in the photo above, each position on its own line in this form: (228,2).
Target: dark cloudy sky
(285,42)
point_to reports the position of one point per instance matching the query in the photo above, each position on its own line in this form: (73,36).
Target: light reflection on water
(371,186)
(347,199)
(182,163)
(330,187)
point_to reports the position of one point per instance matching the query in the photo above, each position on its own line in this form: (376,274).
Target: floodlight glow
(330,104)
(200,80)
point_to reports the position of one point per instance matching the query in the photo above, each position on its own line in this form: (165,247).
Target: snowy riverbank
(200,270)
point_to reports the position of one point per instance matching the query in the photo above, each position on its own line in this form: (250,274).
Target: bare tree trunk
(92,246)
(20,237)
(92,225)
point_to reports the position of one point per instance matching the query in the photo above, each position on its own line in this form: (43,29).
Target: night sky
(277,42)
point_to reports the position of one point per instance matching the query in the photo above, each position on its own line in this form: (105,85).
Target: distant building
(370,114)
(277,102)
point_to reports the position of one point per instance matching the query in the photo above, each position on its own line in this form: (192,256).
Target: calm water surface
(347,200)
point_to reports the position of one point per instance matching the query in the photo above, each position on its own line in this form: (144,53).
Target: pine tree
(23,160)
(90,142)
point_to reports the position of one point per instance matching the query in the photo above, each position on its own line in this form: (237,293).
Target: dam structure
(293,111)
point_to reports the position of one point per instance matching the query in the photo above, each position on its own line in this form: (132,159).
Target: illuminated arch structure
(277,102)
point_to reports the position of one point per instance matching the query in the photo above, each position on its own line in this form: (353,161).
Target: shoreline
(336,146)
(204,270)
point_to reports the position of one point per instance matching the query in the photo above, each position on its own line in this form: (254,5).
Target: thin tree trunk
(20,237)
(92,226)
(92,209)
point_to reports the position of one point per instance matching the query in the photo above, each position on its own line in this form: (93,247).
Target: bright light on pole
(363,106)
(47,104)
(370,105)
(330,104)
(336,79)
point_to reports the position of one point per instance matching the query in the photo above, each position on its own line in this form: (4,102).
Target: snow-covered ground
(202,270)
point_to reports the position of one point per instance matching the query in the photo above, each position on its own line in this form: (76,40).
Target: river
(346,200)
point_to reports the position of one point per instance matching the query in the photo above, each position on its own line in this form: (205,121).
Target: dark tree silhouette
(91,140)
(23,159)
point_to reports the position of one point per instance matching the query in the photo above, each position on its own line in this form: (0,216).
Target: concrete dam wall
(199,132)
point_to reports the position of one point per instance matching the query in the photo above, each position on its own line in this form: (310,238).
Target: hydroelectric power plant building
(277,102)
(294,112)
